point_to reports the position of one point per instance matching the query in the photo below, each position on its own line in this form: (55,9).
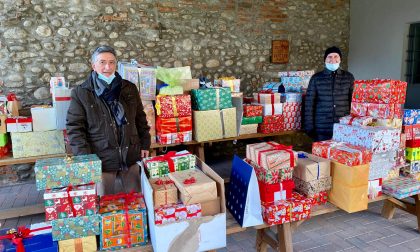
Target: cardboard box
(164,191)
(350,199)
(202,234)
(43,119)
(352,176)
(310,167)
(3,129)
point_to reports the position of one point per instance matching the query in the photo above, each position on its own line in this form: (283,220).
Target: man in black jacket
(328,97)
(106,118)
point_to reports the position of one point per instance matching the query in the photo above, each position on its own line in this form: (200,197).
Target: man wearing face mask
(106,118)
(328,97)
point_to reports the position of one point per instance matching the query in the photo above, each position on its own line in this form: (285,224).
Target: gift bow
(17,236)
(11,97)
(190,181)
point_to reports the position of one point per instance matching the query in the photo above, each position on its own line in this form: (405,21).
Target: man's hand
(144,153)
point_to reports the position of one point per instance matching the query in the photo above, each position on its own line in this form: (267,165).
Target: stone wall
(43,38)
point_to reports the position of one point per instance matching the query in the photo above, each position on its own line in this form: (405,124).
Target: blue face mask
(108,80)
(332,67)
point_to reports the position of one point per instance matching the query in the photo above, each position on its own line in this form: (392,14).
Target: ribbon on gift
(343,147)
(174,107)
(167,158)
(17,236)
(282,147)
(217,98)
(164,182)
(223,123)
(11,97)
(190,181)
(303,155)
(264,92)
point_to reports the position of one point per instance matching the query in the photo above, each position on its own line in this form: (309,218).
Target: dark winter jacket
(92,129)
(327,99)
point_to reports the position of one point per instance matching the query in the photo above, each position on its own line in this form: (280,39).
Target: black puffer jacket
(327,99)
(92,129)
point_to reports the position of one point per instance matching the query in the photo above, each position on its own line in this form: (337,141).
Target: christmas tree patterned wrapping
(211,98)
(70,202)
(162,165)
(61,172)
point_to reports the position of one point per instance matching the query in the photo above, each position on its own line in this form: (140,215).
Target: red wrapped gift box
(379,91)
(4,151)
(382,111)
(277,191)
(319,198)
(341,152)
(169,106)
(413,143)
(273,119)
(412,132)
(253,110)
(173,125)
(70,202)
(172,138)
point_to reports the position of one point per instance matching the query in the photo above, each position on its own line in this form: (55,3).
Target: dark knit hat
(332,49)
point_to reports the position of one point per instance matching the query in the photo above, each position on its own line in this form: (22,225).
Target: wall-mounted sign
(280,51)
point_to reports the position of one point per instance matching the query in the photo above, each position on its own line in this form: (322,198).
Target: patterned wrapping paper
(164,191)
(194,186)
(356,120)
(76,227)
(279,212)
(375,188)
(376,139)
(275,192)
(413,143)
(19,124)
(384,111)
(248,129)
(400,157)
(253,110)
(292,83)
(149,110)
(292,115)
(320,198)
(29,144)
(392,123)
(381,164)
(271,176)
(87,244)
(4,151)
(274,119)
(393,173)
(401,187)
(170,106)
(412,131)
(173,125)
(57,202)
(310,167)
(272,109)
(267,98)
(60,172)
(251,120)
(379,91)
(412,154)
(342,152)
(123,221)
(211,98)
(413,167)
(176,212)
(411,116)
(272,86)
(173,138)
(147,83)
(403,140)
(270,128)
(304,75)
(162,165)
(292,97)
(229,122)
(311,188)
(207,125)
(415,176)
(271,155)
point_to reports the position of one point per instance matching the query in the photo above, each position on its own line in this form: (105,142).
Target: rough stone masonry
(44,38)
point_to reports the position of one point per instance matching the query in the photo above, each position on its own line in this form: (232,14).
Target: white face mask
(332,67)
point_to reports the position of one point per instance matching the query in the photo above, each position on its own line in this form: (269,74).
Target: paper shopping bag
(243,200)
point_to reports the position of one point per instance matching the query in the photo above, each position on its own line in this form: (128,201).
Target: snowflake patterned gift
(162,165)
(171,106)
(411,116)
(342,152)
(376,139)
(292,97)
(61,172)
(401,187)
(75,227)
(70,202)
(211,98)
(123,221)
(380,91)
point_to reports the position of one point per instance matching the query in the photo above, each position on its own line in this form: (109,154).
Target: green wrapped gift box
(3,139)
(61,172)
(251,120)
(211,98)
(160,166)
(78,227)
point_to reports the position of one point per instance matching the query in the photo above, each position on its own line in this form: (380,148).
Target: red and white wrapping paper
(380,91)
(384,111)
(375,188)
(271,155)
(341,152)
(176,212)
(169,106)
(267,98)
(356,120)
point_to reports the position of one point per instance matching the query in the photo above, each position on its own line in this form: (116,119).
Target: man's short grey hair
(102,49)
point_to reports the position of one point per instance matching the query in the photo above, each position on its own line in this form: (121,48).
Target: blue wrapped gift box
(37,243)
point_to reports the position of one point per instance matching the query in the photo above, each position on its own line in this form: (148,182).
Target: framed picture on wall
(280,51)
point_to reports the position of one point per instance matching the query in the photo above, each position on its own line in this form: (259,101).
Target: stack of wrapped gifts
(214,116)
(292,111)
(411,130)
(274,164)
(252,116)
(173,121)
(70,198)
(272,111)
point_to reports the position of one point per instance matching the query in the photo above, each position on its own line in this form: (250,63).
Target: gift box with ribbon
(252,110)
(277,191)
(162,165)
(379,91)
(36,237)
(412,167)
(30,144)
(401,187)
(411,116)
(70,201)
(164,191)
(412,154)
(170,106)
(61,172)
(19,124)
(376,139)
(173,138)
(342,152)
(214,124)
(311,188)
(271,176)
(272,109)
(271,155)
(357,120)
(384,111)
(266,97)
(84,244)
(412,132)
(320,198)
(194,186)
(176,212)
(61,98)
(310,167)
(251,120)
(173,125)
(75,227)
(211,98)
(123,221)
